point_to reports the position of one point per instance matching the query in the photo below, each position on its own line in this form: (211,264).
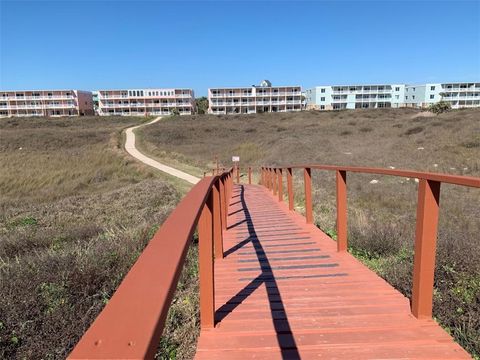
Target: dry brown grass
(75,213)
(450,140)
(382,215)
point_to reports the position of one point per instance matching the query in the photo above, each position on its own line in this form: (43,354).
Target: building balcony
(100,96)
(22,98)
(40,106)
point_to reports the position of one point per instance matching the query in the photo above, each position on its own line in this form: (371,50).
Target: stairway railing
(426,223)
(131,324)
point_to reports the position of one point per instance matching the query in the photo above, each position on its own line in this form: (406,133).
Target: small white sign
(235,158)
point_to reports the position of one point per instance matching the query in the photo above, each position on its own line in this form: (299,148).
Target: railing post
(249,175)
(217,221)
(290,188)
(274,179)
(425,246)
(270,183)
(223,200)
(262,176)
(267,184)
(280,185)
(205,249)
(238,174)
(307,180)
(341,210)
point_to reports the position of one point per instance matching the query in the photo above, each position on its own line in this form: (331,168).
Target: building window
(432,88)
(396,97)
(432,96)
(397,88)
(322,99)
(413,96)
(322,90)
(406,97)
(322,107)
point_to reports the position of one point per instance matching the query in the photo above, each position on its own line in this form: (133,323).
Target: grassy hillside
(381,138)
(75,212)
(382,214)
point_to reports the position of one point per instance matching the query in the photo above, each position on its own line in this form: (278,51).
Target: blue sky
(133,44)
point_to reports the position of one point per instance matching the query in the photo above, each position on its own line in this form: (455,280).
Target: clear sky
(133,44)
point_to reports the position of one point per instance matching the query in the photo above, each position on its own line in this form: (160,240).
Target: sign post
(236,160)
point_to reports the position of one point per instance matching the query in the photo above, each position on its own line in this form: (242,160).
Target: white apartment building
(459,95)
(146,102)
(338,97)
(254,99)
(45,103)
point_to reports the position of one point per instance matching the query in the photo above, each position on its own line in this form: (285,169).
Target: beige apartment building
(254,99)
(146,102)
(46,103)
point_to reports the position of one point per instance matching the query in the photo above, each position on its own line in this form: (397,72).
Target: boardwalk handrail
(426,223)
(131,324)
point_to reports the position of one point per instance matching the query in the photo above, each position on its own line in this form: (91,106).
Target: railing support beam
(307,180)
(205,249)
(341,180)
(425,246)
(274,180)
(249,175)
(267,185)
(217,221)
(223,200)
(280,184)
(290,188)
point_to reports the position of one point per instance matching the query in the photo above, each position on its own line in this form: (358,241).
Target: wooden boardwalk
(284,292)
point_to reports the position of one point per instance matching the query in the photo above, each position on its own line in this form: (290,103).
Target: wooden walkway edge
(284,292)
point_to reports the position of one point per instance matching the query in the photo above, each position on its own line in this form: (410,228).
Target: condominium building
(459,95)
(45,103)
(254,99)
(338,97)
(146,102)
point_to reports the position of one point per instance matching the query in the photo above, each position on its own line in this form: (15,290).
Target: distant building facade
(45,103)
(254,99)
(459,94)
(146,102)
(338,97)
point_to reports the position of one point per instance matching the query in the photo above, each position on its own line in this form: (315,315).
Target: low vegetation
(440,107)
(381,213)
(75,212)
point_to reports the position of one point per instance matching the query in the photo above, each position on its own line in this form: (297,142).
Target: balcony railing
(22,98)
(39,106)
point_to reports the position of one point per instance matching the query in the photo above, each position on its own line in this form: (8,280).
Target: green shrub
(440,107)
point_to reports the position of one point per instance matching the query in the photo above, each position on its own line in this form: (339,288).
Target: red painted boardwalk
(284,292)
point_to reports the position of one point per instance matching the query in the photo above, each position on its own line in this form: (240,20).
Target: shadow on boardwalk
(286,341)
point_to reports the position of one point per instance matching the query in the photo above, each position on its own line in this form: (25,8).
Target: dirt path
(132,150)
